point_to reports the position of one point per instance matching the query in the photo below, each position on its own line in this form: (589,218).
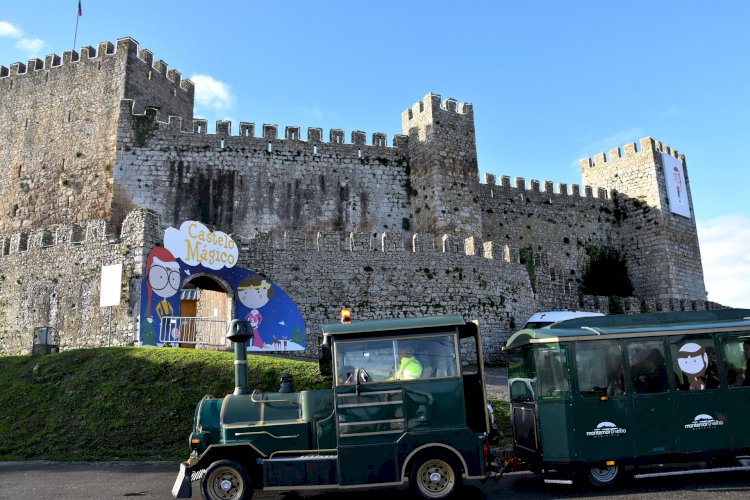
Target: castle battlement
(432,104)
(648,145)
(385,242)
(519,185)
(268,132)
(89,55)
(96,231)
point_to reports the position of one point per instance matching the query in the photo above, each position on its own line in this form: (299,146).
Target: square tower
(444,174)
(658,236)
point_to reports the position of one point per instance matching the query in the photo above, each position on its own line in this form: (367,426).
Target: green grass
(501,410)
(120,403)
(125,403)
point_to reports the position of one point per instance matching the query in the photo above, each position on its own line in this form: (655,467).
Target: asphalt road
(117,480)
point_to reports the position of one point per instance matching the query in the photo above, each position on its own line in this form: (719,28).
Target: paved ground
(497,381)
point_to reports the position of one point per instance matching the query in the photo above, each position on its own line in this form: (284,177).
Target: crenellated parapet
(519,185)
(646,146)
(432,105)
(390,242)
(94,232)
(269,134)
(90,56)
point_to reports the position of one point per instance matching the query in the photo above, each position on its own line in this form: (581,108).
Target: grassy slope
(123,403)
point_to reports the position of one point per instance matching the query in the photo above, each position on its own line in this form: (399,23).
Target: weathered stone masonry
(100,153)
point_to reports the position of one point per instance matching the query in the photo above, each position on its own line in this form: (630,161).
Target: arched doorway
(206,306)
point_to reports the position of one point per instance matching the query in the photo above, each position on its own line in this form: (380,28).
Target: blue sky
(551,81)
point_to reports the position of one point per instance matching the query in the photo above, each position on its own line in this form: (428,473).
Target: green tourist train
(407,406)
(602,398)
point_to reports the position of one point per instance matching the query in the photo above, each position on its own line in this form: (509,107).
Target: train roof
(636,325)
(385,325)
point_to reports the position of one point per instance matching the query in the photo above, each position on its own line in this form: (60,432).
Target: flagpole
(78,15)
(75,37)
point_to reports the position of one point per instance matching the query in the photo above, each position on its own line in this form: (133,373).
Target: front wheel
(434,475)
(601,477)
(226,480)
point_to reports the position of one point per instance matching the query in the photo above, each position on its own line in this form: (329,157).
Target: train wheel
(603,476)
(226,480)
(434,475)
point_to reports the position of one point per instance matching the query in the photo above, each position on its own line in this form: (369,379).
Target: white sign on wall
(676,186)
(110,285)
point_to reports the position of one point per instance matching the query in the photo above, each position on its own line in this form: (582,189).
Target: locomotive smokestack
(239,332)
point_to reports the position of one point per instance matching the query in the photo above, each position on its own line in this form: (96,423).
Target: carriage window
(521,363)
(737,361)
(599,368)
(438,357)
(469,356)
(648,369)
(552,372)
(521,374)
(695,365)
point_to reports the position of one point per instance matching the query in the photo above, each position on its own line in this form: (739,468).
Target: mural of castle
(101,153)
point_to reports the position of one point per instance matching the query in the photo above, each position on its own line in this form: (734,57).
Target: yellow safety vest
(409,369)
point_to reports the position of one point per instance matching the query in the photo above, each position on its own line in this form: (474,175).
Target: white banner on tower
(674,173)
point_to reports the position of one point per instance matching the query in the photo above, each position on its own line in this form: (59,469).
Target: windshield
(396,359)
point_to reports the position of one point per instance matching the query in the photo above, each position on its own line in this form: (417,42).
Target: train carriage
(649,394)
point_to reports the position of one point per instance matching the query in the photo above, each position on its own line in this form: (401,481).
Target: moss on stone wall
(606,272)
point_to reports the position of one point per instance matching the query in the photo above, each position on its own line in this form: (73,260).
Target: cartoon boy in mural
(254,292)
(163,280)
(693,361)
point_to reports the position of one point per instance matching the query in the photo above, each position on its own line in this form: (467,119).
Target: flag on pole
(80,11)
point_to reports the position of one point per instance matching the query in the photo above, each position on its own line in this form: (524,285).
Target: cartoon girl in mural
(255,292)
(163,279)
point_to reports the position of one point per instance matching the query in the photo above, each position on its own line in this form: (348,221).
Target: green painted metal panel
(435,404)
(701,421)
(555,428)
(738,416)
(604,429)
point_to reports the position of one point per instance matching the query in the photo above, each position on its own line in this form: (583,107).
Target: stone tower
(443,166)
(58,129)
(658,239)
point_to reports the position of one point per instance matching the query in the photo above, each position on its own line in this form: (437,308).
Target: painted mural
(194,249)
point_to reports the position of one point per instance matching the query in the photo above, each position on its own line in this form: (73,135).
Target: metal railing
(176,330)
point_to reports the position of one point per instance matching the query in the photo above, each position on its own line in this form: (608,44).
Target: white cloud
(212,93)
(32,46)
(7,29)
(724,243)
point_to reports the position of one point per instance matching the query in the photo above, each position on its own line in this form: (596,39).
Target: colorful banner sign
(193,250)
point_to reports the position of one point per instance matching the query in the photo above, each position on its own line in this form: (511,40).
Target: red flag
(80,11)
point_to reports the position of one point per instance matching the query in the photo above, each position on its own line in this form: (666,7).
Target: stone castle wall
(246,184)
(52,278)
(103,146)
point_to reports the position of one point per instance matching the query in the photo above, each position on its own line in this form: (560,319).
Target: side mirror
(520,392)
(239,330)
